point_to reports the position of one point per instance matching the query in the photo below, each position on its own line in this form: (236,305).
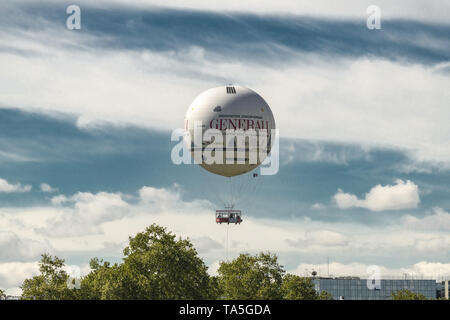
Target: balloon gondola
(228,216)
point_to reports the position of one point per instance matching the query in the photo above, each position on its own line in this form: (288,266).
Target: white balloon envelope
(225,109)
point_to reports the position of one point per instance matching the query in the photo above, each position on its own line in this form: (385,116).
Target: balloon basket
(228,216)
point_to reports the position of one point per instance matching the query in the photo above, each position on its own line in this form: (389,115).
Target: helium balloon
(230,108)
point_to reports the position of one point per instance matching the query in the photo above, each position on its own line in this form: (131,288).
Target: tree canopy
(407,295)
(51,284)
(301,288)
(158,265)
(261,277)
(251,277)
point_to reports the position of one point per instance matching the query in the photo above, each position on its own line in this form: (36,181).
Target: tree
(251,277)
(301,288)
(325,295)
(298,288)
(2,294)
(156,266)
(407,295)
(51,283)
(106,282)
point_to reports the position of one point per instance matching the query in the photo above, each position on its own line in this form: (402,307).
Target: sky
(86,118)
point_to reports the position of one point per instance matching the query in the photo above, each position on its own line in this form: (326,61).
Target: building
(443,289)
(353,288)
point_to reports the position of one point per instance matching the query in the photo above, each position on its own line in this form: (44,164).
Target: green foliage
(298,288)
(216,290)
(165,268)
(107,282)
(251,277)
(2,294)
(156,266)
(97,263)
(325,295)
(51,284)
(407,295)
(301,288)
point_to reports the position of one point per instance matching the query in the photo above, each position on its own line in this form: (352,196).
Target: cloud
(402,195)
(373,83)
(12,275)
(318,206)
(299,150)
(438,220)
(272,36)
(15,248)
(205,244)
(123,74)
(352,9)
(84,213)
(59,199)
(47,188)
(79,226)
(437,269)
(155,196)
(322,238)
(6,187)
(433,243)
(6,157)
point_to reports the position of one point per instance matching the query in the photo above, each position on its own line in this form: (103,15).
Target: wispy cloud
(45,187)
(345,9)
(325,79)
(7,187)
(272,37)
